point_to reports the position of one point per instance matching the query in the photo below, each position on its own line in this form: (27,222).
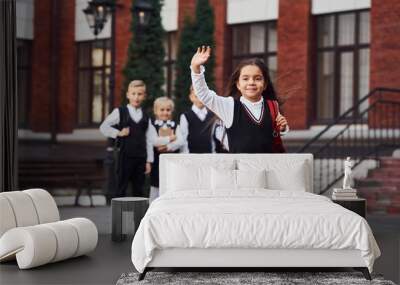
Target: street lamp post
(141,11)
(97,14)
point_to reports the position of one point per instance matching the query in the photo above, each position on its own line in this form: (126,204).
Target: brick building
(323,56)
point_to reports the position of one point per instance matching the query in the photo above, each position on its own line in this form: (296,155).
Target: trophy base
(344,189)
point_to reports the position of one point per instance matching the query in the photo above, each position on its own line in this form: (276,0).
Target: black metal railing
(369,129)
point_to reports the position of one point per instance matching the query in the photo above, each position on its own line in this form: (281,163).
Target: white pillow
(251,178)
(227,179)
(183,178)
(288,174)
(223,179)
(187,174)
(296,181)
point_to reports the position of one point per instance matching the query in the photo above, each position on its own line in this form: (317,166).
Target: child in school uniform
(168,138)
(250,112)
(197,126)
(130,125)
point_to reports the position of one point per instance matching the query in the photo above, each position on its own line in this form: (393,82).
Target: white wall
(82,30)
(330,6)
(244,11)
(169,15)
(25,15)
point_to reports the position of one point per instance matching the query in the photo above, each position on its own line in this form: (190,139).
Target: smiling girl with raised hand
(250,112)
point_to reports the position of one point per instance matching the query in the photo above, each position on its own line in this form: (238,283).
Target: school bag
(123,122)
(277,145)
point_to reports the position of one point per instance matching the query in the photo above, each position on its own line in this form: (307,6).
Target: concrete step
(389,162)
(378,190)
(393,210)
(380,200)
(381,188)
(378,181)
(384,173)
(382,207)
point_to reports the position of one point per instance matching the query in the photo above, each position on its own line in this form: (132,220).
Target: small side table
(358,205)
(127,212)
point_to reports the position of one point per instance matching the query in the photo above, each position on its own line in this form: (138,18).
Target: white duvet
(250,219)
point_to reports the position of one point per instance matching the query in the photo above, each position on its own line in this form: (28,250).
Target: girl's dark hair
(268,93)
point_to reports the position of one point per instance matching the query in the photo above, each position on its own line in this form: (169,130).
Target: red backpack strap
(277,145)
(272,110)
(276,105)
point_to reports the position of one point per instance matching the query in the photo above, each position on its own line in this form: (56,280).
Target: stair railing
(367,130)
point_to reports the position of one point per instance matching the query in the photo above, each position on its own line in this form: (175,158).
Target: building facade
(323,56)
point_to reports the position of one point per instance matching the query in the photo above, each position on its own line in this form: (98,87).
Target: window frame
(266,55)
(169,63)
(93,69)
(337,50)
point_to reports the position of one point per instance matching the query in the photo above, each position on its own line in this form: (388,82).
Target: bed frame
(242,259)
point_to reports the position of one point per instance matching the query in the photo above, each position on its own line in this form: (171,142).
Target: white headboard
(210,159)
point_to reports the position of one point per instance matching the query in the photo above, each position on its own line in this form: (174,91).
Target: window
(171,48)
(94,61)
(24,75)
(255,40)
(342,63)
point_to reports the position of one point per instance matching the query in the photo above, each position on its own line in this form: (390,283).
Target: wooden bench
(53,174)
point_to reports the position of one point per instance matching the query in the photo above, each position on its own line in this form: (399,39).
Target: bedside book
(340,190)
(344,194)
(335,197)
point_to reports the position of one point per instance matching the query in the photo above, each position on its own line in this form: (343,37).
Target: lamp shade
(142,10)
(97,14)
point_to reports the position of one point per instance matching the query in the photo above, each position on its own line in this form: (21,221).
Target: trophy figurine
(347,180)
(347,192)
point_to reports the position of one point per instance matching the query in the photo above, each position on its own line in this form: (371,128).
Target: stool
(127,212)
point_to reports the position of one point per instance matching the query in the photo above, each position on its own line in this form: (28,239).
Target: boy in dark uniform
(197,126)
(130,125)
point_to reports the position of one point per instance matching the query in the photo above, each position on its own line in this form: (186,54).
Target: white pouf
(31,232)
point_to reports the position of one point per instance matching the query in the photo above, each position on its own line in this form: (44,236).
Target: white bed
(247,210)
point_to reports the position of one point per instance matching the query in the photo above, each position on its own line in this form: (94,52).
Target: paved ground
(103,266)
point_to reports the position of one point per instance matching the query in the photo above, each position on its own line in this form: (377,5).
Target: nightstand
(358,205)
(127,212)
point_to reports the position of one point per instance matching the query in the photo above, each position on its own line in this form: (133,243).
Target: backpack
(277,145)
(123,122)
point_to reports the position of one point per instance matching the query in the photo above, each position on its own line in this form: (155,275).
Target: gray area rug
(232,278)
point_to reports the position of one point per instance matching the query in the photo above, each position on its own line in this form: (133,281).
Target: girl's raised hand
(200,57)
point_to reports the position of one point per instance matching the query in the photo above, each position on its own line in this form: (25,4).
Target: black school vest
(154,175)
(246,135)
(199,137)
(133,145)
